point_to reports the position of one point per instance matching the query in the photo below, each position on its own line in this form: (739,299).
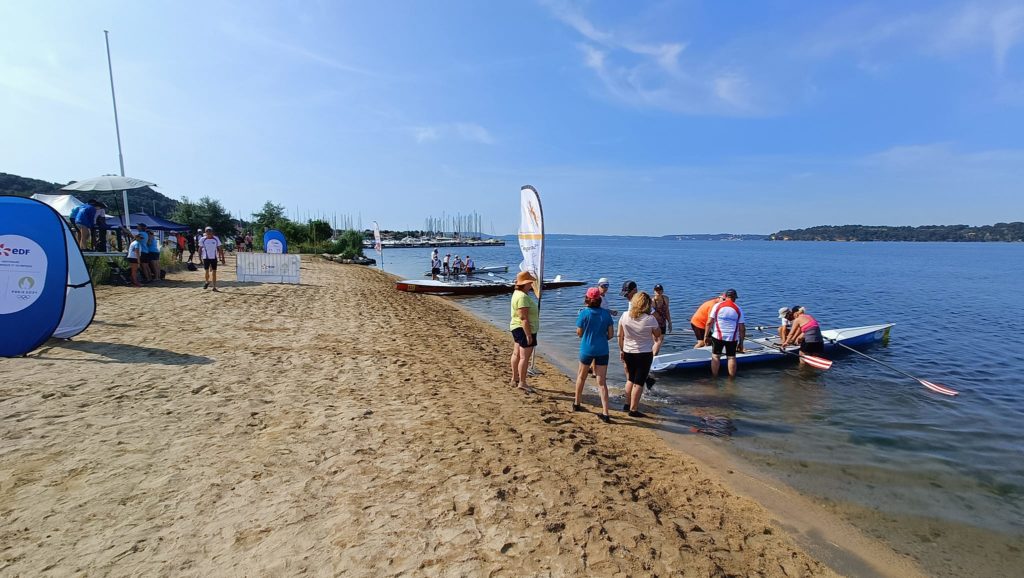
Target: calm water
(939,478)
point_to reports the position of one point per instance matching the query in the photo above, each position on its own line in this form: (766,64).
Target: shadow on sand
(124,353)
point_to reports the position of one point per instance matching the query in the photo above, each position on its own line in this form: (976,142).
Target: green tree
(212,214)
(320,231)
(187,212)
(270,216)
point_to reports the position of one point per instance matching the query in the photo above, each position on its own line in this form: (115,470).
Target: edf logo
(20,251)
(8,251)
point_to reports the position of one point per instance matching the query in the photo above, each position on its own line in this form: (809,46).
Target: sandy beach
(339,428)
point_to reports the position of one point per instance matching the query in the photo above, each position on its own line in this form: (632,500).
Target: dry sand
(338,427)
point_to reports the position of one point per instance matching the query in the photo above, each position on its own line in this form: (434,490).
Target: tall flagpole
(117,129)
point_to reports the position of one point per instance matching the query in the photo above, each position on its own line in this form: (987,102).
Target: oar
(812,360)
(930,385)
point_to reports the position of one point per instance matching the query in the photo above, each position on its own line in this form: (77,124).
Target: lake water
(939,478)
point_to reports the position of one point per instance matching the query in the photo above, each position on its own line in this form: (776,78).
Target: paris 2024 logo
(22,273)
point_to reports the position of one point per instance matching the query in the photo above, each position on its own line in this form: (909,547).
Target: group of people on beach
(143,254)
(449,266)
(719,323)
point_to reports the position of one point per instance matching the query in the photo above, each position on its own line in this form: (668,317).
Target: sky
(633,118)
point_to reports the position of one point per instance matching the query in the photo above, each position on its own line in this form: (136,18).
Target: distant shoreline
(999,232)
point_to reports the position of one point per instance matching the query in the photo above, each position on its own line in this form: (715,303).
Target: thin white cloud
(466,131)
(652,74)
(258,38)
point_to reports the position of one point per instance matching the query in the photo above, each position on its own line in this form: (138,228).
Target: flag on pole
(531,235)
(376,238)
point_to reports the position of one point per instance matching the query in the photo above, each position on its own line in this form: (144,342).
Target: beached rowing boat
(482,270)
(766,349)
(474,286)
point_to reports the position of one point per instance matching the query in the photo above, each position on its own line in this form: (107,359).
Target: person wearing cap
(785,322)
(457,265)
(594,327)
(446,264)
(144,255)
(639,341)
(727,329)
(470,266)
(435,266)
(699,321)
(210,248)
(806,331)
(661,310)
(602,285)
(524,326)
(628,291)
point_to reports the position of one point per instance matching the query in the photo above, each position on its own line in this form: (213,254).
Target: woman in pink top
(806,331)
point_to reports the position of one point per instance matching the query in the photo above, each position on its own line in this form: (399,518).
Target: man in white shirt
(210,248)
(727,328)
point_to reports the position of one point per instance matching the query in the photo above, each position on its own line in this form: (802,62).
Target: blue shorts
(595,359)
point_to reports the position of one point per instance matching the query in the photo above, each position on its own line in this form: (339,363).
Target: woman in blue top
(594,328)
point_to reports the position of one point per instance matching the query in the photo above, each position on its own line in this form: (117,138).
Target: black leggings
(638,366)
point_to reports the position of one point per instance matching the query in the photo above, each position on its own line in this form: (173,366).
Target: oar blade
(816,362)
(939,388)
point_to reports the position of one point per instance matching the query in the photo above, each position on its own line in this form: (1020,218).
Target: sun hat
(783,311)
(593,293)
(602,281)
(627,287)
(731,293)
(524,277)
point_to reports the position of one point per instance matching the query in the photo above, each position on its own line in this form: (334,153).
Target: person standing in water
(727,329)
(639,341)
(661,310)
(806,331)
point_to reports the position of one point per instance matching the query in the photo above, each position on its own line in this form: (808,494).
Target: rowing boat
(767,349)
(481,270)
(474,286)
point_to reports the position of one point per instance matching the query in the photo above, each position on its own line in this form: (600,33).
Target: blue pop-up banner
(33,274)
(274,242)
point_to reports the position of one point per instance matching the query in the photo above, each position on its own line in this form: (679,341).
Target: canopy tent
(110,183)
(63,204)
(151,222)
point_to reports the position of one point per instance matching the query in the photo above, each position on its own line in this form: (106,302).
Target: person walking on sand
(153,251)
(210,248)
(594,327)
(727,329)
(191,242)
(639,341)
(662,313)
(524,326)
(699,321)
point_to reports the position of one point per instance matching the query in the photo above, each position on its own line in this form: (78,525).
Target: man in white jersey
(727,328)
(210,248)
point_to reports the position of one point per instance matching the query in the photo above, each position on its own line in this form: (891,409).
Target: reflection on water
(859,436)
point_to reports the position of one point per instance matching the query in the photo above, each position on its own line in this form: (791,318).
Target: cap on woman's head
(627,287)
(602,281)
(524,277)
(658,287)
(593,293)
(208,229)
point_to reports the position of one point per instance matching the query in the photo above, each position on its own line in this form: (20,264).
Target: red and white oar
(929,384)
(815,361)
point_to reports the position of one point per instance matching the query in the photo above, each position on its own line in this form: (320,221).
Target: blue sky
(628,117)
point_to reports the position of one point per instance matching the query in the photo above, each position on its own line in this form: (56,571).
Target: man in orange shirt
(699,321)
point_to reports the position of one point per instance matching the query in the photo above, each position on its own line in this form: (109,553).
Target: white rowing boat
(767,349)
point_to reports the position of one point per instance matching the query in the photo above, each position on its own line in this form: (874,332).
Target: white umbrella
(111,183)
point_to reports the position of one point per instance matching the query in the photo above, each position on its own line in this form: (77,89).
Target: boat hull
(765,349)
(472,287)
(482,270)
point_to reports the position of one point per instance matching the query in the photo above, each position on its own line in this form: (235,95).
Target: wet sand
(339,427)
